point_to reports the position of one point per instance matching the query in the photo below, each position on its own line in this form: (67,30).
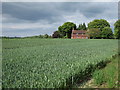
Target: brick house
(79,34)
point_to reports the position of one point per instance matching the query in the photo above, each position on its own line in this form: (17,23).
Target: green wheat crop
(51,63)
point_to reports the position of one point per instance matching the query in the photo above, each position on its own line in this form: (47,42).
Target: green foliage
(98,23)
(79,27)
(94,33)
(117,29)
(107,33)
(104,29)
(46,36)
(82,27)
(38,36)
(66,29)
(51,63)
(61,32)
(56,34)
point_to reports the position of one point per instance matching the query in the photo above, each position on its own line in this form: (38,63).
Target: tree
(107,33)
(94,33)
(82,27)
(46,36)
(117,29)
(98,23)
(61,31)
(66,29)
(79,27)
(56,34)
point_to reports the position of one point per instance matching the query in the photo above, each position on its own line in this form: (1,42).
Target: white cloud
(77,18)
(29,28)
(25,25)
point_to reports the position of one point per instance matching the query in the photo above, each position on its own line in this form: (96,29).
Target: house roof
(78,31)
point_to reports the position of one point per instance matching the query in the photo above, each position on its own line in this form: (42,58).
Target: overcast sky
(35,18)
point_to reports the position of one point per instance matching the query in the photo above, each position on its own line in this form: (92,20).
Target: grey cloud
(28,11)
(90,9)
(54,11)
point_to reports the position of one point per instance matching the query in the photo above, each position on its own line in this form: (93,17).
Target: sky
(37,18)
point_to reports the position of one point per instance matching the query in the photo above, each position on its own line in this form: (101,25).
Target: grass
(52,63)
(106,77)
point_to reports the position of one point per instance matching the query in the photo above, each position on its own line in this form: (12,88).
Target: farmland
(51,63)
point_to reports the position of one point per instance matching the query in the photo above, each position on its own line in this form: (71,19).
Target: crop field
(52,63)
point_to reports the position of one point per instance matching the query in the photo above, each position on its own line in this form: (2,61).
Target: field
(51,63)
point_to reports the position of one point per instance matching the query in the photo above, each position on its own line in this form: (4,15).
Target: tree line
(37,36)
(98,28)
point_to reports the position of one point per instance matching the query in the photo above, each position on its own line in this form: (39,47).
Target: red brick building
(79,34)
